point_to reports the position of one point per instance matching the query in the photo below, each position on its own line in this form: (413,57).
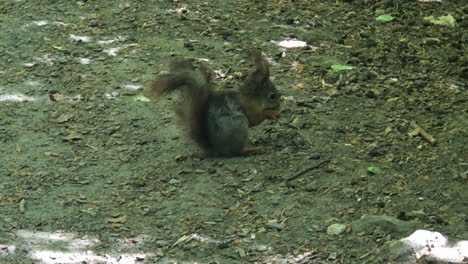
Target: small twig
(304,171)
(419,130)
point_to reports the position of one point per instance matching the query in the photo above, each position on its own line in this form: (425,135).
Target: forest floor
(88,165)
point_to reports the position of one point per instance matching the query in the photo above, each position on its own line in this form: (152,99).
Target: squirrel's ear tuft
(261,71)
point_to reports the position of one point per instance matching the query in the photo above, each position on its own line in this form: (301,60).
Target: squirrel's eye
(272,96)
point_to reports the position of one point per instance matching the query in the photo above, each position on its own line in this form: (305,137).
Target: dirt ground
(82,151)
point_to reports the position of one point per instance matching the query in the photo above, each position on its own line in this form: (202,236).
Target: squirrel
(218,120)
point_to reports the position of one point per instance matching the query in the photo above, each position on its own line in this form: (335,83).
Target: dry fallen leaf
(63,118)
(299,85)
(116,220)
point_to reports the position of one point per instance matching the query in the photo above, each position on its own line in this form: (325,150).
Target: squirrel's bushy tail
(182,76)
(195,84)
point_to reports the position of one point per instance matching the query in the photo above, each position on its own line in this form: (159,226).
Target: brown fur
(257,98)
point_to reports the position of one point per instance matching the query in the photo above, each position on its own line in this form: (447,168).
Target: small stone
(333,256)
(262,248)
(369,223)
(336,229)
(275,224)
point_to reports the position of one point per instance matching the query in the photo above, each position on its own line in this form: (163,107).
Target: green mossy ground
(119,168)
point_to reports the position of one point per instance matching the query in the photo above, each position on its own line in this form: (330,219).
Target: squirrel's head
(260,98)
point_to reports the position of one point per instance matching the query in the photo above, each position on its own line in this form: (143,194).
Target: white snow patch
(75,249)
(132,86)
(290,43)
(80,38)
(40,23)
(84,60)
(434,244)
(7,249)
(112,51)
(109,41)
(17,98)
(45,59)
(59,23)
(112,95)
(45,22)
